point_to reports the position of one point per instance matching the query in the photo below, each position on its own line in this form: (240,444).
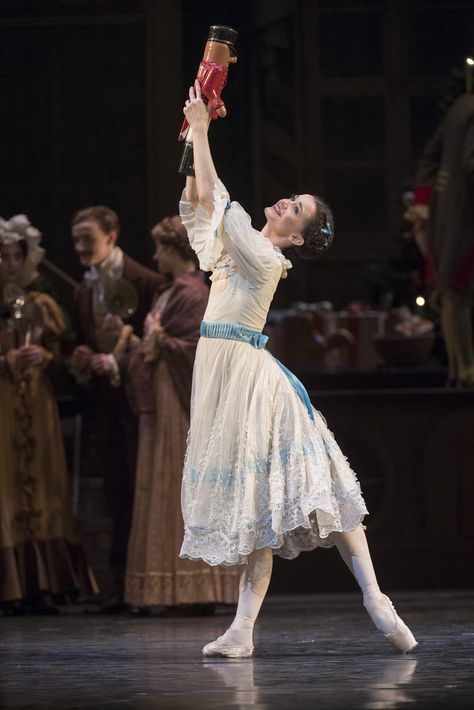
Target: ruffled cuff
(203,228)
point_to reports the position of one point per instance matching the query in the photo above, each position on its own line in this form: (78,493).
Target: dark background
(330,96)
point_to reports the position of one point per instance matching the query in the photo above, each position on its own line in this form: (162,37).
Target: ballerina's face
(11,262)
(289,215)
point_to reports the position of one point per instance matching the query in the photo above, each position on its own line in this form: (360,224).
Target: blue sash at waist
(232,331)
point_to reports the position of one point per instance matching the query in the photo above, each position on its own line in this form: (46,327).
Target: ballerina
(263,474)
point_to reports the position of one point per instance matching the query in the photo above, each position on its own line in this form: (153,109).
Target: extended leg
(354,550)
(237,642)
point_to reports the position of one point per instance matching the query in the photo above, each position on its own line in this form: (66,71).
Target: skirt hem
(309,538)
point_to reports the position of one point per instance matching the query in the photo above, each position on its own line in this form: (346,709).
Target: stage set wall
(328,96)
(413,452)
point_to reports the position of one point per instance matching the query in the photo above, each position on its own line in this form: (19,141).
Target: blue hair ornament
(326,230)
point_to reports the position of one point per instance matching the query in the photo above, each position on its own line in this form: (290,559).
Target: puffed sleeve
(229,230)
(202,228)
(254,255)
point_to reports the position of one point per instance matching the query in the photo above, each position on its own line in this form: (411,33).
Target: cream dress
(259,472)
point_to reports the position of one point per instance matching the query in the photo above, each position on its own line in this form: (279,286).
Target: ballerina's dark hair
(317,233)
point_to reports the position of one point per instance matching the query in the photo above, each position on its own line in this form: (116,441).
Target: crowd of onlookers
(131,340)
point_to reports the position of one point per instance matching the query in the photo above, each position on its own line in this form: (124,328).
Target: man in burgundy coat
(94,232)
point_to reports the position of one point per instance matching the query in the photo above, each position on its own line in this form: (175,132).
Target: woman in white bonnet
(41,559)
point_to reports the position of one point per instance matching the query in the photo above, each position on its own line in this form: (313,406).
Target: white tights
(253,587)
(354,550)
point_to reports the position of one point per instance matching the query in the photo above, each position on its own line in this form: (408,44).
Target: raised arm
(190,191)
(206,200)
(201,188)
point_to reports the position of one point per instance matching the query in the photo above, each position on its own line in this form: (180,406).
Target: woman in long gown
(41,557)
(160,373)
(263,474)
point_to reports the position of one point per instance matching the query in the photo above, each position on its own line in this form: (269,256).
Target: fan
(121,298)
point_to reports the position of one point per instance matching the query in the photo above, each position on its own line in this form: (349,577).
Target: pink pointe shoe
(386,619)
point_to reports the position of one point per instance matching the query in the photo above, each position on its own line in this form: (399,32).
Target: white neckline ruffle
(285,263)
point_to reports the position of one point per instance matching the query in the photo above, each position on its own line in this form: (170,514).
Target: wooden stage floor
(317,651)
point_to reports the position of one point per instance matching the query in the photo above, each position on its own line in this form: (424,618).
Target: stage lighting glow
(420,301)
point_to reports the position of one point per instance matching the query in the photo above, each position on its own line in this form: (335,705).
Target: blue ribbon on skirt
(232,331)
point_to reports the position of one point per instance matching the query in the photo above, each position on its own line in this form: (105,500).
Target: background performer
(159,385)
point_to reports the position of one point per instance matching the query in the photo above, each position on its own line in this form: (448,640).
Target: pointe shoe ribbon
(386,619)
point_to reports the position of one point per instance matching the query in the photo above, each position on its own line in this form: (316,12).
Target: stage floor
(317,651)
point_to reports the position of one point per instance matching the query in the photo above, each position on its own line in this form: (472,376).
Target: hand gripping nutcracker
(212,76)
